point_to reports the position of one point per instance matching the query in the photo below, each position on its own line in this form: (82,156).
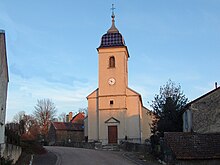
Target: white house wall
(3,87)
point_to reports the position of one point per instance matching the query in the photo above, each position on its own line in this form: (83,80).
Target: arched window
(112,62)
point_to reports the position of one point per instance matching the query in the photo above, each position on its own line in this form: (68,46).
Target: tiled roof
(78,117)
(112,40)
(68,126)
(193,146)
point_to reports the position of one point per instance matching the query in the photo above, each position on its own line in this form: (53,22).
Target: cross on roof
(112,8)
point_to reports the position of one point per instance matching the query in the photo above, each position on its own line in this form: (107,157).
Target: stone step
(111,147)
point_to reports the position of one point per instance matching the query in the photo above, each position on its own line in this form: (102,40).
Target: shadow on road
(45,159)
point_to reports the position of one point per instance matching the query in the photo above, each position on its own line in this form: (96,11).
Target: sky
(51,48)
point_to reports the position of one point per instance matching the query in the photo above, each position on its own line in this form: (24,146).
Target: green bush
(5,161)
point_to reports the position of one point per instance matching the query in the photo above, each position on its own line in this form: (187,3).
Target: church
(115,111)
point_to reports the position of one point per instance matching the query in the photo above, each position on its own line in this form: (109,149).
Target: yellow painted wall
(104,115)
(126,112)
(119,102)
(147,119)
(92,117)
(119,73)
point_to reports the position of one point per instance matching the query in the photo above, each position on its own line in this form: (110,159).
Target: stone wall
(87,145)
(51,135)
(135,147)
(63,136)
(13,152)
(193,146)
(206,113)
(197,162)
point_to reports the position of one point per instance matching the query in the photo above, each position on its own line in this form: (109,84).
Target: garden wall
(12,152)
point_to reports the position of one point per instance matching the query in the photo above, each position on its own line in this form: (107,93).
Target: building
(202,115)
(78,118)
(3,87)
(115,111)
(69,117)
(61,133)
(188,148)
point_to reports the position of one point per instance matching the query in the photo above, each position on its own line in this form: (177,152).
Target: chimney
(67,118)
(216,85)
(70,116)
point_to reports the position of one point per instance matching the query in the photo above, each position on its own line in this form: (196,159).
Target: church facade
(115,111)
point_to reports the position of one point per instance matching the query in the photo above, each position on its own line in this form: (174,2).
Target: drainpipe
(97,109)
(139,120)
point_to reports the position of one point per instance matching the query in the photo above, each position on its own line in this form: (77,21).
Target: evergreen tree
(167,106)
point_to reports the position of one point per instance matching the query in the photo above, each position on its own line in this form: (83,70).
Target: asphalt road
(80,156)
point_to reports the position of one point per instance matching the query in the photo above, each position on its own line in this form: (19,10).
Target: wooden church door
(112,134)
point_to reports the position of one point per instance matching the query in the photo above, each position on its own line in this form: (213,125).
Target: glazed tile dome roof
(112,37)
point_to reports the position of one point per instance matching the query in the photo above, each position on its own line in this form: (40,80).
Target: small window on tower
(111,102)
(112,62)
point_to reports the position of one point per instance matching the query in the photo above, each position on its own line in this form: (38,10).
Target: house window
(186,120)
(111,102)
(112,62)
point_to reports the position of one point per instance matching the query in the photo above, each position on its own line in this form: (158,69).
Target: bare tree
(29,123)
(18,117)
(28,126)
(44,113)
(83,110)
(62,117)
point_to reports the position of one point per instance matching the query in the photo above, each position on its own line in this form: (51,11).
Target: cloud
(23,94)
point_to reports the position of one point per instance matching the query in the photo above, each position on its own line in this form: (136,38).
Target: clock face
(111,81)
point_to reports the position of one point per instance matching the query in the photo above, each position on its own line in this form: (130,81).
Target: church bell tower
(115,111)
(113,63)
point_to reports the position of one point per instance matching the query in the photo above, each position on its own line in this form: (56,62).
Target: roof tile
(193,145)
(68,126)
